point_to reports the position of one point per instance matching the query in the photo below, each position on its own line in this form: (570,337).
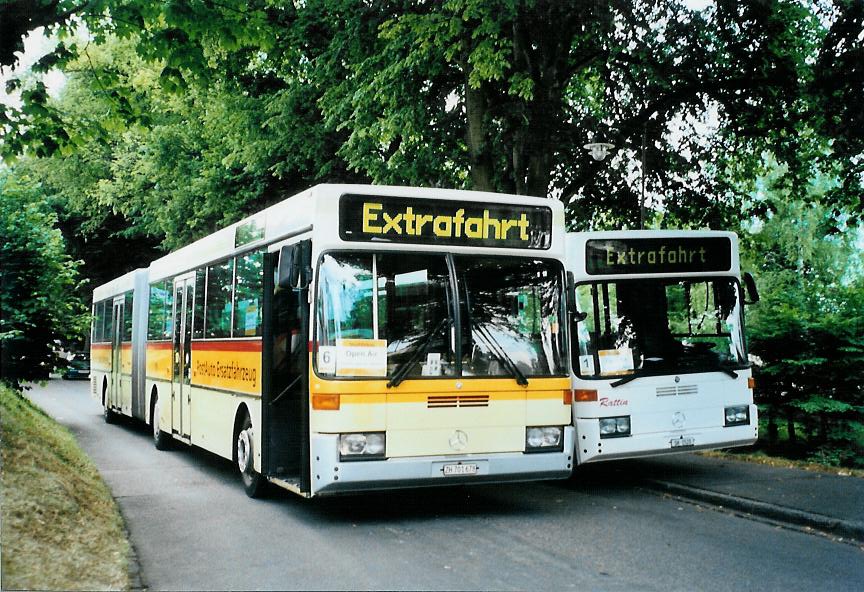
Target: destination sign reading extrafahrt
(658,255)
(444,222)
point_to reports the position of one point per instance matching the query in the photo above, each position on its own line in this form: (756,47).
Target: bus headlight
(544,439)
(738,415)
(363,446)
(614,427)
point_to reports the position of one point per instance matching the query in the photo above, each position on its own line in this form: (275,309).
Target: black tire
(109,415)
(244,456)
(161,439)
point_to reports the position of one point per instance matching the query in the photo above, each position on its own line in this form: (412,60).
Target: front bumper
(329,475)
(591,448)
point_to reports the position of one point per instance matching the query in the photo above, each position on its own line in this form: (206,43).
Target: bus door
(285,412)
(181,391)
(113,397)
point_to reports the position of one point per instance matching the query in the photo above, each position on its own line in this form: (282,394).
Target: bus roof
(120,285)
(317,210)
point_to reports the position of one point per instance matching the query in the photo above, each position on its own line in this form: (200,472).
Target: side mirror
(751,293)
(294,268)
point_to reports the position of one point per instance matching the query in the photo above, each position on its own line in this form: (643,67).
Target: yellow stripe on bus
(236,371)
(159,360)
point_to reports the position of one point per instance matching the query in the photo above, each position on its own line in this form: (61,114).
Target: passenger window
(218,305)
(198,324)
(247,295)
(98,321)
(159,315)
(127,316)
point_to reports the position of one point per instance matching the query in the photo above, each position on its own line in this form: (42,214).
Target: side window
(106,321)
(159,319)
(248,294)
(98,321)
(220,281)
(156,312)
(109,321)
(168,289)
(127,316)
(198,324)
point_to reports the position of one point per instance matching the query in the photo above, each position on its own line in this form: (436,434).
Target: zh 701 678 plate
(460,469)
(680,442)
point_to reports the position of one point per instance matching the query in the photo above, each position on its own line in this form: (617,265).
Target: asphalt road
(193,528)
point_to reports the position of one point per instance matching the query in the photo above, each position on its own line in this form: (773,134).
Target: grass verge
(61,529)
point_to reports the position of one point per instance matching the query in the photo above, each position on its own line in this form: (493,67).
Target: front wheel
(161,439)
(253,482)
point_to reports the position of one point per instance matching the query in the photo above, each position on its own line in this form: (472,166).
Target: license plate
(685,441)
(460,469)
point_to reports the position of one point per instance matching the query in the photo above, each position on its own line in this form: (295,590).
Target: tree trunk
(790,426)
(478,145)
(772,425)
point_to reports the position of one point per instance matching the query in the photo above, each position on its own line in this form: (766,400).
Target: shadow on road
(423,504)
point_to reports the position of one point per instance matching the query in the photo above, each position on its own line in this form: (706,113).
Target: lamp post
(600,150)
(642,197)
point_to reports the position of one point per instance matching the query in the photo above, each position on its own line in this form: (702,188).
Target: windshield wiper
(402,371)
(627,379)
(636,375)
(499,353)
(726,370)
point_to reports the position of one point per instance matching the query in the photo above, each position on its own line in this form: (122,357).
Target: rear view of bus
(659,357)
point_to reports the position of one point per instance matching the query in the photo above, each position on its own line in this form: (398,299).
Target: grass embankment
(61,529)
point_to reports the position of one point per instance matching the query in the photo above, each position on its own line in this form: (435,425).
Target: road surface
(193,528)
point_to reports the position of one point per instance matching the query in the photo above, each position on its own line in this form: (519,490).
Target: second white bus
(659,359)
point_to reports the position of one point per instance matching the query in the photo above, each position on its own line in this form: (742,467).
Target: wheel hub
(244,447)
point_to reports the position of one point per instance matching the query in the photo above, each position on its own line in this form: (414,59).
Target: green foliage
(808,329)
(39,308)
(487,95)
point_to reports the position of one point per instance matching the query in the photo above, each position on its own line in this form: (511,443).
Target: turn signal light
(326,402)
(585,395)
(568,397)
(751,383)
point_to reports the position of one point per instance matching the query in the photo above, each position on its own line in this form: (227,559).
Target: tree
(502,95)
(37,286)
(808,329)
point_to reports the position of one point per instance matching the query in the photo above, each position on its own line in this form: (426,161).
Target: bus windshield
(659,326)
(396,314)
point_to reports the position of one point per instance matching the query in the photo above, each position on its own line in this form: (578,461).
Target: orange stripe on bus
(238,346)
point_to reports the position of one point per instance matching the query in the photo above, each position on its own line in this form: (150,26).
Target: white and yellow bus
(361,337)
(116,365)
(659,359)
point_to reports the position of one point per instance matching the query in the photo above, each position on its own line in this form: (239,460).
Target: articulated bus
(356,337)
(119,321)
(659,360)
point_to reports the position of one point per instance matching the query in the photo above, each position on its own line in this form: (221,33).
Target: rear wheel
(244,453)
(160,439)
(107,414)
